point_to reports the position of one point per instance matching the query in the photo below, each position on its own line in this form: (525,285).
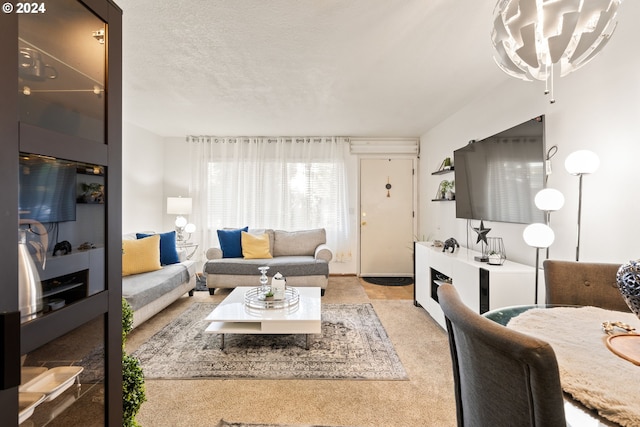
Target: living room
(392,71)
(596,108)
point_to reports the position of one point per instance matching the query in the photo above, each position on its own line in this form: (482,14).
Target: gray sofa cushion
(302,242)
(142,289)
(286,265)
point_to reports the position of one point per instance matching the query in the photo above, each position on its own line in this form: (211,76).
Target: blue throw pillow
(168,251)
(231,242)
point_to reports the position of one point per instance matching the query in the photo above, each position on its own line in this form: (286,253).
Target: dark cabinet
(60,258)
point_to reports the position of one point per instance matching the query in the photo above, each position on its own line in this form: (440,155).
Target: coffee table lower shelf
(257,328)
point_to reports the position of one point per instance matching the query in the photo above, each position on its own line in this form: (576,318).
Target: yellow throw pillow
(255,245)
(140,256)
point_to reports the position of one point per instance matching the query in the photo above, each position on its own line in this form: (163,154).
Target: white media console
(481,286)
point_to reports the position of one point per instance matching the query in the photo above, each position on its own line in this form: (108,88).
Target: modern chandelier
(531,36)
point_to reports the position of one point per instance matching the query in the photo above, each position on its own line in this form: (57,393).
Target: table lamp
(181,206)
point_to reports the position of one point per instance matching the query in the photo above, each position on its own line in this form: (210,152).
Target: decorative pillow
(140,256)
(168,251)
(255,246)
(231,242)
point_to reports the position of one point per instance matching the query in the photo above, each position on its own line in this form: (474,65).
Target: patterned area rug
(353,345)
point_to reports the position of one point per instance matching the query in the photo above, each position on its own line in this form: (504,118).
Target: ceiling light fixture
(530,36)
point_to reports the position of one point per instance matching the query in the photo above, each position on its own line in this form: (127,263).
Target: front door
(386,217)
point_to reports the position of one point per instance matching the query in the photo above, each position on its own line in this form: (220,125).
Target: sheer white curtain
(280,183)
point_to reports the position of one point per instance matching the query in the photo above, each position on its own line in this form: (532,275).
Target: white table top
(233,308)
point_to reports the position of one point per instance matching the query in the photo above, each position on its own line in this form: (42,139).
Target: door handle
(9,350)
(363,223)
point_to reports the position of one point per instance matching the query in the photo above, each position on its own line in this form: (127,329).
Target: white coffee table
(233,316)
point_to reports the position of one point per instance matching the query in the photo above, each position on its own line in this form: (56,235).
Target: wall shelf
(443,171)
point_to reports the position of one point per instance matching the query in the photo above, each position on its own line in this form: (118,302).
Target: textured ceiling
(313,67)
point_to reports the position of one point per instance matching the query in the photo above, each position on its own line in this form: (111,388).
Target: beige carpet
(425,400)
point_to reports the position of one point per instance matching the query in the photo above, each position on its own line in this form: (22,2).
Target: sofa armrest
(214,253)
(323,252)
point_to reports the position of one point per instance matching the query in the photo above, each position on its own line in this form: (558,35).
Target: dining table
(600,380)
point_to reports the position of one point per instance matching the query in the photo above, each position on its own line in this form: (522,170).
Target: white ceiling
(303,67)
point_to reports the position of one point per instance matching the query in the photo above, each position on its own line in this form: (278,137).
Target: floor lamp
(539,236)
(580,163)
(549,200)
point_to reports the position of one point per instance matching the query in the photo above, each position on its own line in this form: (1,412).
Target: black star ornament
(482,233)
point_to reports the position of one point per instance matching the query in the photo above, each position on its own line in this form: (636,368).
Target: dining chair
(501,377)
(583,283)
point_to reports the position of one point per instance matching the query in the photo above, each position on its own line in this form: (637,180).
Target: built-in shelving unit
(60,106)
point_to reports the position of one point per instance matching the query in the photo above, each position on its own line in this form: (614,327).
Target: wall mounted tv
(497,178)
(47,189)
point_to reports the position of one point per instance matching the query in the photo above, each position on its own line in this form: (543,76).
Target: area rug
(389,281)
(353,345)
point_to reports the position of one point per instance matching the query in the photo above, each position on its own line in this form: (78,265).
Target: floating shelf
(443,171)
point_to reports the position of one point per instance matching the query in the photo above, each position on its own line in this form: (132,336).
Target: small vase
(628,280)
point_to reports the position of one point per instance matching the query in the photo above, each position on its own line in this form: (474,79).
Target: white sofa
(302,257)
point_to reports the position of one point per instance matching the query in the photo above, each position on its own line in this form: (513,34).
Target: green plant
(269,294)
(133,389)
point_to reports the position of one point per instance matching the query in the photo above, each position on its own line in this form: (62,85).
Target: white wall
(142,180)
(597,108)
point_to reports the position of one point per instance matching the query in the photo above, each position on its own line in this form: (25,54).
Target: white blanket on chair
(589,371)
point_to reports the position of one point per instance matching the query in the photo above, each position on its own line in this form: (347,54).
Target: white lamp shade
(179,205)
(181,221)
(538,235)
(582,162)
(190,228)
(549,199)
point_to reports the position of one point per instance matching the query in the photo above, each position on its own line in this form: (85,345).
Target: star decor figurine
(482,233)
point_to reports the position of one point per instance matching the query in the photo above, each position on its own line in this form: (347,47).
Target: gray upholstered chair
(501,377)
(583,283)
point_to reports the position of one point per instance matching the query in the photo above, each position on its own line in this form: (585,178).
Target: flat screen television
(497,178)
(47,189)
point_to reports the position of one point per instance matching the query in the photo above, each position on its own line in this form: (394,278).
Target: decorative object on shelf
(445,190)
(628,280)
(388,187)
(530,36)
(581,162)
(181,206)
(445,165)
(482,237)
(92,192)
(450,243)
(63,247)
(264,280)
(495,251)
(278,286)
(539,236)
